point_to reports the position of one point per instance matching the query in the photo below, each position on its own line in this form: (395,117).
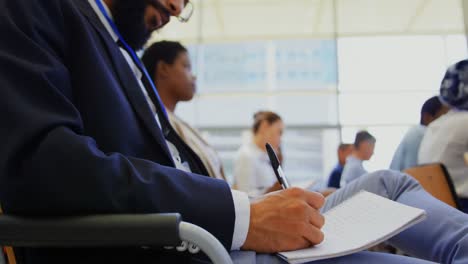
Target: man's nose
(175,6)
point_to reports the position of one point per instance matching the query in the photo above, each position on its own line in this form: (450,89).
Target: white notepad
(362,221)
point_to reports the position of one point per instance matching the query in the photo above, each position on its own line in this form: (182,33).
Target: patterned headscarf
(454,87)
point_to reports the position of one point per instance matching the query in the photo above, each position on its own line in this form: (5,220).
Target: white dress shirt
(446,141)
(241,200)
(253,172)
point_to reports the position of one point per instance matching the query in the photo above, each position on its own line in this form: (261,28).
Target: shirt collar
(258,152)
(103,18)
(351,158)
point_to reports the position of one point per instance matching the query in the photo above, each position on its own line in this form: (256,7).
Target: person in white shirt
(253,173)
(364,145)
(446,139)
(406,155)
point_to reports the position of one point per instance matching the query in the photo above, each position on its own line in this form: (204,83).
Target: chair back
(435,179)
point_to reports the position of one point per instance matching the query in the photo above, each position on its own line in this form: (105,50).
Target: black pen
(277,167)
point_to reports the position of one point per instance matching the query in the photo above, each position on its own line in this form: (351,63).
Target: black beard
(129,17)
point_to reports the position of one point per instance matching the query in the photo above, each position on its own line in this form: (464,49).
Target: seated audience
(344,150)
(364,145)
(252,168)
(446,139)
(171,69)
(406,155)
(83,139)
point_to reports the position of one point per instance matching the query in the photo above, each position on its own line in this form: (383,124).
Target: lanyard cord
(132,53)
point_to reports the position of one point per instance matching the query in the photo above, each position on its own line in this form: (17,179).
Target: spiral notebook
(362,221)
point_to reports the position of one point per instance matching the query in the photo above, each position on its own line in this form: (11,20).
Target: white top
(241,200)
(446,141)
(253,172)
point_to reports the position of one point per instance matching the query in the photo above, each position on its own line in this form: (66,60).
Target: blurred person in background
(344,150)
(406,155)
(364,145)
(446,139)
(253,173)
(169,64)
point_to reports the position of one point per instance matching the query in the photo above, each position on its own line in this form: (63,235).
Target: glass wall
(295,78)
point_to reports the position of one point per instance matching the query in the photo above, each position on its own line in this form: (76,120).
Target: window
(385,80)
(295,78)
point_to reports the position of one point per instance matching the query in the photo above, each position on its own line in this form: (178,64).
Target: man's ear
(162,70)
(263,126)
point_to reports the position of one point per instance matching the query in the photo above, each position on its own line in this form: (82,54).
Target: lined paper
(362,221)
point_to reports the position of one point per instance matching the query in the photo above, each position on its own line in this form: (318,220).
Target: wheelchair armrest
(91,231)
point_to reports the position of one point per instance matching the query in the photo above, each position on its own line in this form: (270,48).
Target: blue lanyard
(132,53)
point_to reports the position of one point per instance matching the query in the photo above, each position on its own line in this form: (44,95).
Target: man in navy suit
(84,132)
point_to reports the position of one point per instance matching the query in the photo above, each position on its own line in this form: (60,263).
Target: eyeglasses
(186,13)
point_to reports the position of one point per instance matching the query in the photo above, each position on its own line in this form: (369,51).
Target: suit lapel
(127,78)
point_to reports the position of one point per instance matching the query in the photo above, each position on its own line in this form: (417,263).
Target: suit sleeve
(48,166)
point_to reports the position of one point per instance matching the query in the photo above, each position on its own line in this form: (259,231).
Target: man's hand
(285,220)
(328,191)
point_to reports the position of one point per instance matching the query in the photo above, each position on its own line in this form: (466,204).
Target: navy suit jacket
(79,137)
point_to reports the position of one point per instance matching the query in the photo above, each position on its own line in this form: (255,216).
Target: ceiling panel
(440,16)
(368,16)
(238,20)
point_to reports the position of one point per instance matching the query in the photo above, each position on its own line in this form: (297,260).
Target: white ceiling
(239,20)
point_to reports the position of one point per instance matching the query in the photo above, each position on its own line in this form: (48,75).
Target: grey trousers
(441,238)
